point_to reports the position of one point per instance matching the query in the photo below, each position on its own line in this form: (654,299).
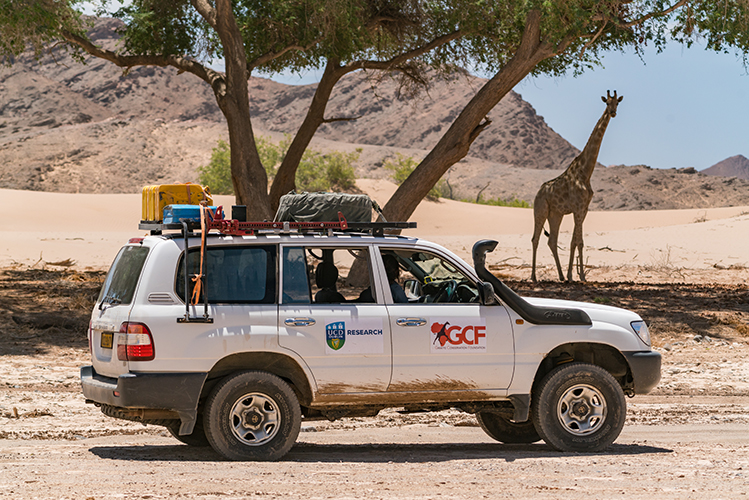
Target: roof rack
(239,228)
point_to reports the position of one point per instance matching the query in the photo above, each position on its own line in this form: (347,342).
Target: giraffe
(571,193)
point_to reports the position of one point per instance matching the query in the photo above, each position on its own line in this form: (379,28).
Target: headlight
(641,329)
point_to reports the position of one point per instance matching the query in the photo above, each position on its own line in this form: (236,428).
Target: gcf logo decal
(335,334)
(458,335)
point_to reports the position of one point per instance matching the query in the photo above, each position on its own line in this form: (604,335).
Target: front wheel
(252,416)
(505,430)
(579,407)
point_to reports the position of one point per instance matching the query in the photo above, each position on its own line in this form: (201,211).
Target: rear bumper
(646,369)
(179,392)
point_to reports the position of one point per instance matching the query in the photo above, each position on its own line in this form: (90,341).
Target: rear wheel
(506,431)
(252,416)
(579,407)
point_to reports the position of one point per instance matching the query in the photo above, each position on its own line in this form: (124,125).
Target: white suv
(276,335)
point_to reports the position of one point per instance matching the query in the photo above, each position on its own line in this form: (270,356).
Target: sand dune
(90,228)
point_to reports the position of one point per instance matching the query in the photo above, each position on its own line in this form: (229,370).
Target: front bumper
(179,392)
(646,369)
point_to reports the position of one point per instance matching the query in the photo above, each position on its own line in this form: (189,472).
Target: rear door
(341,332)
(113,309)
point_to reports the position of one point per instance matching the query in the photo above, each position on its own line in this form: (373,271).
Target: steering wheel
(446,291)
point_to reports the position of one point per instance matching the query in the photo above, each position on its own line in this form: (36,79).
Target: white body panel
(483,348)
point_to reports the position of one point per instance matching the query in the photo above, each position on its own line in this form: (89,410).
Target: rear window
(122,278)
(243,275)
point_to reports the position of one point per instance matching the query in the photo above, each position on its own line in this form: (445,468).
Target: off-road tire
(579,407)
(505,430)
(252,415)
(197,438)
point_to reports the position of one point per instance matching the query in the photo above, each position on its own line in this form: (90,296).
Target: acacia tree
(266,35)
(510,39)
(539,36)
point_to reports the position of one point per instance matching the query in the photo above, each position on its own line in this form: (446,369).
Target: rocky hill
(90,128)
(735,166)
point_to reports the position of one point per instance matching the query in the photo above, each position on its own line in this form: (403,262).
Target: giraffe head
(611,102)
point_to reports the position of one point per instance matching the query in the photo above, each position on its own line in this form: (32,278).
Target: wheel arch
(603,355)
(278,364)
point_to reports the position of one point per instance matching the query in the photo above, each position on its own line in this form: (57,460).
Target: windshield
(119,287)
(434,267)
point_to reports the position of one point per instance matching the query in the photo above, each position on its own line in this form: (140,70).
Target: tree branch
(406,56)
(593,40)
(269,56)
(213,78)
(206,10)
(644,18)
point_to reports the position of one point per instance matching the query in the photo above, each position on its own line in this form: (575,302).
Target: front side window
(428,278)
(232,274)
(324,275)
(122,278)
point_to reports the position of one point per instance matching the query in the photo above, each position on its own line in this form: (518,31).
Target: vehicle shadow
(370,453)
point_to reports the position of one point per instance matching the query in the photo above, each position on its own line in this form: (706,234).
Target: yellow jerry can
(156,197)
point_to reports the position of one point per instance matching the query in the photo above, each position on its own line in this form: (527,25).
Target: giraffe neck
(589,156)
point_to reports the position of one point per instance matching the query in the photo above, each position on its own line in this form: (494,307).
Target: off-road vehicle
(234,339)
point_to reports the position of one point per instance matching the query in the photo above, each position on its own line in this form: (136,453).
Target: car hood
(597,312)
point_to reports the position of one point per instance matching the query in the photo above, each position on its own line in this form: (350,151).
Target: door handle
(411,321)
(299,321)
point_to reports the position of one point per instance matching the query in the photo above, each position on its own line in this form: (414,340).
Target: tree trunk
(247,172)
(454,145)
(286,175)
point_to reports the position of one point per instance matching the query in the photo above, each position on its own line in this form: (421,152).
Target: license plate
(107,340)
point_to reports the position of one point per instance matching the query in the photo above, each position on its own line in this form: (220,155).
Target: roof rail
(239,228)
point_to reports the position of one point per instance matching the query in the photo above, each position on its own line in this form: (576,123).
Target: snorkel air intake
(527,311)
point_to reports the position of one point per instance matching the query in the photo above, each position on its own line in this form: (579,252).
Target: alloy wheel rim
(255,419)
(582,410)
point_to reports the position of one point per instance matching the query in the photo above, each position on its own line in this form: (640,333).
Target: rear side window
(243,275)
(122,278)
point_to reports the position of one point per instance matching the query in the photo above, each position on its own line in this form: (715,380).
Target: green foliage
(499,202)
(35,23)
(217,174)
(326,172)
(402,166)
(317,171)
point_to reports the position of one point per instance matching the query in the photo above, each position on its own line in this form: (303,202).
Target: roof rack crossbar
(237,228)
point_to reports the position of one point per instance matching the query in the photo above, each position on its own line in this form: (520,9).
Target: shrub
(499,202)
(217,174)
(402,167)
(316,172)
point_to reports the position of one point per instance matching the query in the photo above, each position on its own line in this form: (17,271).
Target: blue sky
(681,108)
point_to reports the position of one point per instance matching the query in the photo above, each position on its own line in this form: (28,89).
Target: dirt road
(689,439)
(416,461)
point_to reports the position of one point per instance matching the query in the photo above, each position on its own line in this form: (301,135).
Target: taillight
(134,343)
(90,338)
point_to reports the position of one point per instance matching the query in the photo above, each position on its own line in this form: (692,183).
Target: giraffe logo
(441,333)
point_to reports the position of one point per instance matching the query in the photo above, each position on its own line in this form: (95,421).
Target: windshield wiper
(110,301)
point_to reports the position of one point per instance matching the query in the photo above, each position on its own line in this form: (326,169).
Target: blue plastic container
(173,213)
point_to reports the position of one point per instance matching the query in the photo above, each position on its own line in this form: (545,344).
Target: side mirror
(486,293)
(413,290)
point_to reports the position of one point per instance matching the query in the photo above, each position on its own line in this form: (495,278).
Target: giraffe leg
(577,243)
(540,219)
(555,220)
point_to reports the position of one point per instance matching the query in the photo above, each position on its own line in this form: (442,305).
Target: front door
(443,338)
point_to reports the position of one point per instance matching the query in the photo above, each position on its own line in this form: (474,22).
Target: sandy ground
(688,439)
(675,245)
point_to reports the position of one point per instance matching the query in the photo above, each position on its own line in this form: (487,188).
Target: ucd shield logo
(335,334)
